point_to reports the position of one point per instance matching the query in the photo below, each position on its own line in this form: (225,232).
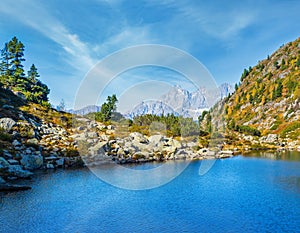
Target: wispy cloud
(126,37)
(223,23)
(31,13)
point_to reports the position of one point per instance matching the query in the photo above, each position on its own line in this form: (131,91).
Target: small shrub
(5,136)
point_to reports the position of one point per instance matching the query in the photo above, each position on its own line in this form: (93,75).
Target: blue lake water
(255,193)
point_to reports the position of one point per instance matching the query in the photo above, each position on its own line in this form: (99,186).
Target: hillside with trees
(266,101)
(13,77)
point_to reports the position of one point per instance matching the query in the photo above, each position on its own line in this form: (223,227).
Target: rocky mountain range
(177,101)
(180,101)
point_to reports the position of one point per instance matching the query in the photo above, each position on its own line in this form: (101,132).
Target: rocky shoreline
(40,145)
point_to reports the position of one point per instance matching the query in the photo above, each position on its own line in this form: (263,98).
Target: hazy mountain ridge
(85,110)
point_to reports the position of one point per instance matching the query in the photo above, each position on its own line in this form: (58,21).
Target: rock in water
(32,162)
(7,124)
(18,171)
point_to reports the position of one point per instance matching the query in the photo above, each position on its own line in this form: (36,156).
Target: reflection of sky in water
(240,194)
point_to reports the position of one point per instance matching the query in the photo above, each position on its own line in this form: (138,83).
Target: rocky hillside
(33,136)
(267,101)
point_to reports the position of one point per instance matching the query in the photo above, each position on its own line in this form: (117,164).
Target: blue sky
(66,38)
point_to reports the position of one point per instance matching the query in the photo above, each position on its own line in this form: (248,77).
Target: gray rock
(28,151)
(60,162)
(7,124)
(18,171)
(80,128)
(141,154)
(51,158)
(7,155)
(50,166)
(13,162)
(3,163)
(156,139)
(270,138)
(138,137)
(99,148)
(181,154)
(33,141)
(92,135)
(104,137)
(120,152)
(32,161)
(16,143)
(226,152)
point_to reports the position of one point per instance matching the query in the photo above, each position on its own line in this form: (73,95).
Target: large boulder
(99,148)
(7,124)
(32,161)
(138,137)
(181,154)
(18,171)
(156,139)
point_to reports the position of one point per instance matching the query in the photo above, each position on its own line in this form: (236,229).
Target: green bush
(290,128)
(248,130)
(5,136)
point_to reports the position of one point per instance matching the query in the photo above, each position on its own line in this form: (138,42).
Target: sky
(65,39)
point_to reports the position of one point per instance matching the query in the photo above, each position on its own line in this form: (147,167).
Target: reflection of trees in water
(275,155)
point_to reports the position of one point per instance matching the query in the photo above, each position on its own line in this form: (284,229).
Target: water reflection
(275,155)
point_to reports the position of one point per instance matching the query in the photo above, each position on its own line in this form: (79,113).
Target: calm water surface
(254,193)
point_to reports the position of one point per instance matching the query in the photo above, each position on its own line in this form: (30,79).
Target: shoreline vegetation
(33,135)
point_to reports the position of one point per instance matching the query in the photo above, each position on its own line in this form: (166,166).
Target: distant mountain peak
(179,101)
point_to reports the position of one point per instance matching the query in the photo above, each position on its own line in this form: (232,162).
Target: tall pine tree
(16,51)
